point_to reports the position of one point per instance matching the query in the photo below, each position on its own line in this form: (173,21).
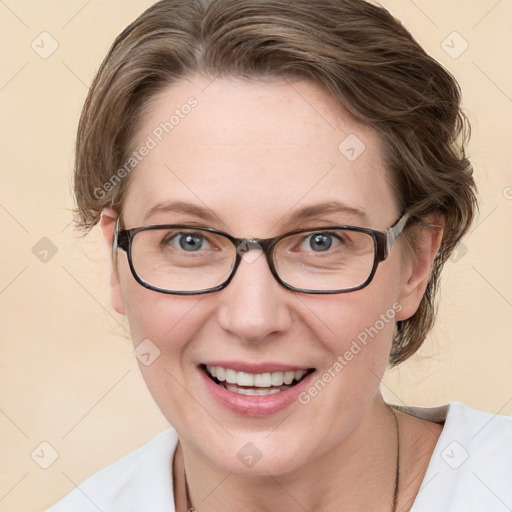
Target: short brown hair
(355,50)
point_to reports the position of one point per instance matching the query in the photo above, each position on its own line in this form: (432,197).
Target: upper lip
(262,367)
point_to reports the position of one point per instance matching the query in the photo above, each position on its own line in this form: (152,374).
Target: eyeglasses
(187,260)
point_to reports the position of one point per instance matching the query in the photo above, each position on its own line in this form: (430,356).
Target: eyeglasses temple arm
(115,239)
(394,231)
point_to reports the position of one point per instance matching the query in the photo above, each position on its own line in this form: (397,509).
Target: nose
(254,306)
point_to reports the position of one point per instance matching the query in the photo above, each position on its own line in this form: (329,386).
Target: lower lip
(257,405)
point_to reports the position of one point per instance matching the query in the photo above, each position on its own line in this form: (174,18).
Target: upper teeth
(259,380)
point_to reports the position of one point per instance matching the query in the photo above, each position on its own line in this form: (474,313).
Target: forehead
(252,152)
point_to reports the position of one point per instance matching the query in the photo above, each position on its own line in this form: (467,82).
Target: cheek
(356,334)
(158,317)
(163,329)
(360,316)
(153,315)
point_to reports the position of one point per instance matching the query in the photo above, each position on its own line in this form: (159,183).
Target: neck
(358,473)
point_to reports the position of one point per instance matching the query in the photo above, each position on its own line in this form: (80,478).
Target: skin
(253,153)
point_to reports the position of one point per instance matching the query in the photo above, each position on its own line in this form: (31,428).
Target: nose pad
(249,250)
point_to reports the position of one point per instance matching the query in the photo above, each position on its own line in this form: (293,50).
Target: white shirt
(470,470)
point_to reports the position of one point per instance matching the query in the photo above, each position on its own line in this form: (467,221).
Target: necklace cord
(397,474)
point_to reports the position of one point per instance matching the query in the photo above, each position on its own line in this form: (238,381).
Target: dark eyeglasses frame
(383,243)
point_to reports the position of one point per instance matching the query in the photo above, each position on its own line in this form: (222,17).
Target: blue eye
(320,241)
(190,242)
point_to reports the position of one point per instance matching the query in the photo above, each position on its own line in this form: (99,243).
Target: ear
(417,263)
(107,223)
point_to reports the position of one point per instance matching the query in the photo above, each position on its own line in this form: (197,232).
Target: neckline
(437,414)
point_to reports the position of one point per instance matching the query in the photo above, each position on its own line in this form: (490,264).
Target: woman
(281,183)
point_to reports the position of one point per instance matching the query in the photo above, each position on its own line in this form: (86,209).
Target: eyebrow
(295,216)
(183,207)
(329,208)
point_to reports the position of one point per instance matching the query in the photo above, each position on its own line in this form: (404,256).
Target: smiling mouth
(255,384)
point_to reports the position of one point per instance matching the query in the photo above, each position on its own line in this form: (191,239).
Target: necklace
(397,473)
(191,508)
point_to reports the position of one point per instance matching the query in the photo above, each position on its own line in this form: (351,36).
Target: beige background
(68,377)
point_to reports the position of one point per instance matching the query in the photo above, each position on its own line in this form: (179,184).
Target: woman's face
(259,160)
